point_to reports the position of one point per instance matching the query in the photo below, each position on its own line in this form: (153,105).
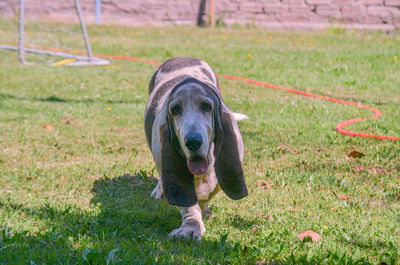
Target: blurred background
(277,14)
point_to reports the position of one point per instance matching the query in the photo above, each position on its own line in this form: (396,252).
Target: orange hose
(339,128)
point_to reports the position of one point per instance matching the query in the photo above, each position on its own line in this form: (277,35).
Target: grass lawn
(79,194)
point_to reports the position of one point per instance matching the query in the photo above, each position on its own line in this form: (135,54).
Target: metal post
(21,48)
(83,28)
(98,8)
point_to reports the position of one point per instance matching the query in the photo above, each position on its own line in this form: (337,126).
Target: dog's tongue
(197,165)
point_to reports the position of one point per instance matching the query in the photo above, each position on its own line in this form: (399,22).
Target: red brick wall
(277,14)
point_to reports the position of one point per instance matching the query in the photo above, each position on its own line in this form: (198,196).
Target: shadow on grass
(123,226)
(239,222)
(55,99)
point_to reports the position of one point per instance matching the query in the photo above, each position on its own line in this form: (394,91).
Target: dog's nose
(193,141)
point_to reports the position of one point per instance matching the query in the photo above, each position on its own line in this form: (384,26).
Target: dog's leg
(192,224)
(157,193)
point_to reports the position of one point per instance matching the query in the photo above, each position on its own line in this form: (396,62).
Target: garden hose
(339,128)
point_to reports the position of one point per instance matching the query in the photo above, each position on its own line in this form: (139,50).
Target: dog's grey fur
(189,83)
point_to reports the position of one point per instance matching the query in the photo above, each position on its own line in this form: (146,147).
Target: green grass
(79,194)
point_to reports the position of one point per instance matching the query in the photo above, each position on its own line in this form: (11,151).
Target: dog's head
(198,130)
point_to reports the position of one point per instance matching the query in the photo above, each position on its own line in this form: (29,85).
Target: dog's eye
(205,107)
(176,110)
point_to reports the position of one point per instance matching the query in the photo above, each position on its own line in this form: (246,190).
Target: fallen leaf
(67,119)
(309,236)
(266,185)
(48,127)
(378,171)
(284,148)
(260,215)
(355,154)
(342,197)
(254,229)
(358,169)
(319,151)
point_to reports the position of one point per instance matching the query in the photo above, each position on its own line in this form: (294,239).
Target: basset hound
(195,141)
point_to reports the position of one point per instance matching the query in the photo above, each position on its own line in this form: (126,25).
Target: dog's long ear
(228,166)
(178,182)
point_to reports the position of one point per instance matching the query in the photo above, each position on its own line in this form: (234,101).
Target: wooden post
(200,21)
(212,13)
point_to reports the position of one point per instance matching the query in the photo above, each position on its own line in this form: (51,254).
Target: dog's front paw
(189,230)
(157,193)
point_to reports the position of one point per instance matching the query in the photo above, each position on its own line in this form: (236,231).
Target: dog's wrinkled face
(191,109)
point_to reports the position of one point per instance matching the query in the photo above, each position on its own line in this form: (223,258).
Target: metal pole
(82,59)
(98,8)
(83,28)
(21,51)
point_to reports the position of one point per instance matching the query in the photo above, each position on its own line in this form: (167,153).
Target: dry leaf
(48,127)
(319,151)
(379,171)
(67,119)
(260,215)
(266,185)
(309,236)
(355,154)
(254,229)
(358,169)
(343,197)
(284,148)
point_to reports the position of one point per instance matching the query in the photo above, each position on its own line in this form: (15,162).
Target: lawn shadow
(126,205)
(123,223)
(55,99)
(239,222)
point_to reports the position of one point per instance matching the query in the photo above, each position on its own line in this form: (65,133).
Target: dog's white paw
(157,193)
(189,230)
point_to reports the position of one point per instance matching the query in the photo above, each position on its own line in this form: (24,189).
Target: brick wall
(276,14)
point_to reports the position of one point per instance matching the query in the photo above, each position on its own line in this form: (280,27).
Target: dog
(195,141)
